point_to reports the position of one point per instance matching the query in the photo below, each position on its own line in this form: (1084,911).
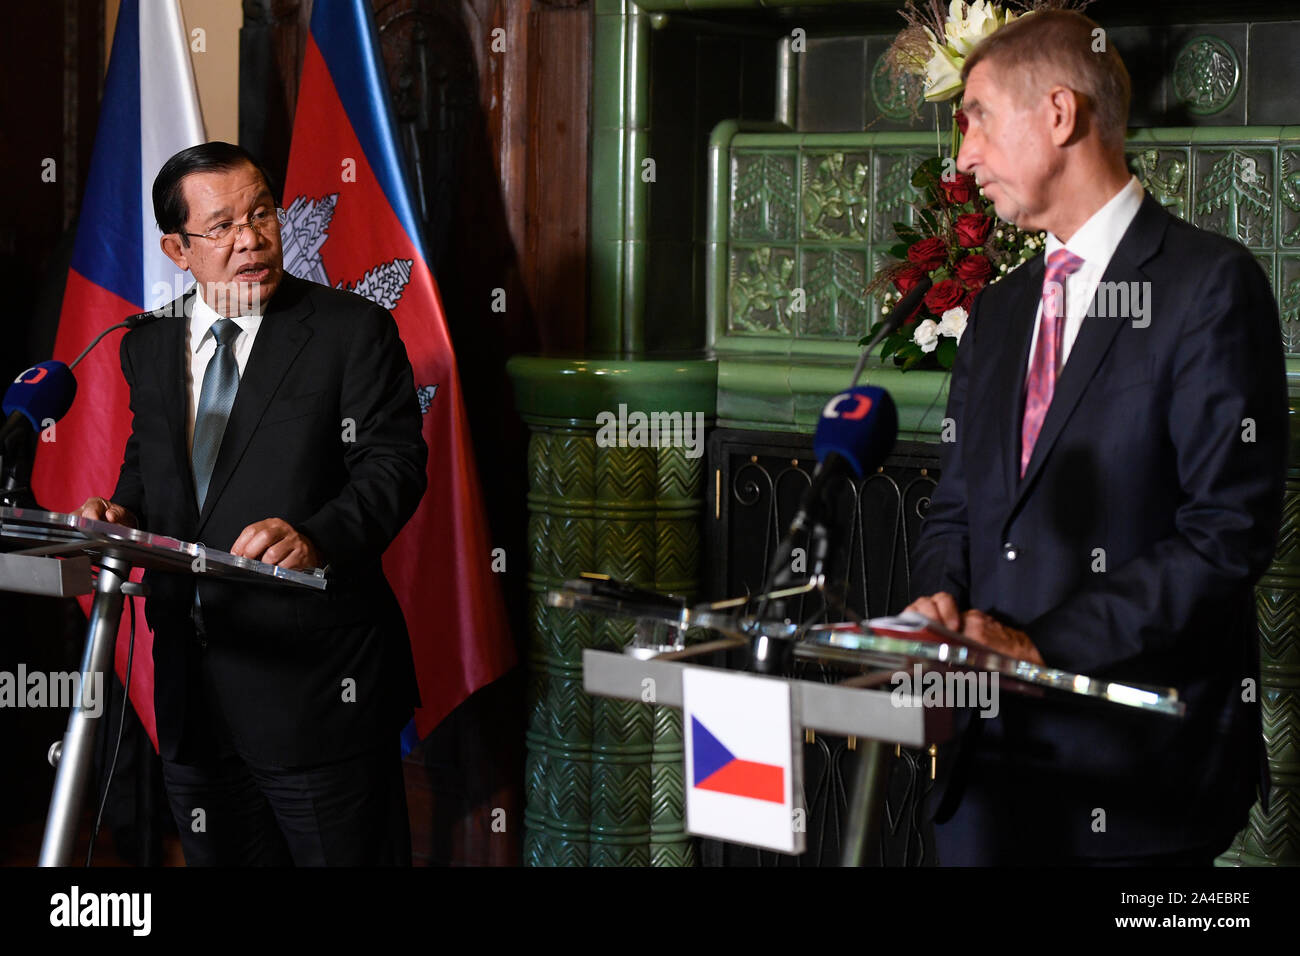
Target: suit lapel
(170,362)
(1140,242)
(280,338)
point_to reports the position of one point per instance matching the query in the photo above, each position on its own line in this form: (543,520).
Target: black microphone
(42,394)
(855,435)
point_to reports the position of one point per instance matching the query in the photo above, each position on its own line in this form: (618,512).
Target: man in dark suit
(277,419)
(1114,490)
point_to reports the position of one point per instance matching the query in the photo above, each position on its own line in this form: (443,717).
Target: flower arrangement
(955,239)
(960,245)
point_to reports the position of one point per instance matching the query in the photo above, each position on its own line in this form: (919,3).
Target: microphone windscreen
(42,393)
(860,425)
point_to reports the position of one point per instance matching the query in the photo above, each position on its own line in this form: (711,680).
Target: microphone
(855,434)
(901,312)
(41,393)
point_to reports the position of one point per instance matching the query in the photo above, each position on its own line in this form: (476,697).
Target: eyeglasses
(226,233)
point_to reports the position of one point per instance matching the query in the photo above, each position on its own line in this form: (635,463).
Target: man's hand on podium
(978,627)
(101,509)
(274,541)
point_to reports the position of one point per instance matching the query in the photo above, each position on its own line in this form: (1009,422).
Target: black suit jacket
(275,663)
(1164,447)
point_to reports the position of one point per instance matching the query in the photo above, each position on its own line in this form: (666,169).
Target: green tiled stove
(753,206)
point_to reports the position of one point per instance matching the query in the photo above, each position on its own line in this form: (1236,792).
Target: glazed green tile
(832,279)
(608,74)
(580,389)
(715,291)
(768,139)
(719,188)
(1165,173)
(745,404)
(825,351)
(607,194)
(1287,286)
(764,195)
(635,272)
(762,280)
(1229,192)
(612,7)
(1289,197)
(636,190)
(605,318)
(637,76)
(758,346)
(1206,73)
(834,194)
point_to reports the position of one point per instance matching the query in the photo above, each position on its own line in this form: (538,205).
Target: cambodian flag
(149,112)
(352,224)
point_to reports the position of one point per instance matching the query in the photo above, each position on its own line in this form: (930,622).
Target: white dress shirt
(1094,242)
(201,345)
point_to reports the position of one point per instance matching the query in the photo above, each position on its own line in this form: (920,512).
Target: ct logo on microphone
(32,375)
(856,408)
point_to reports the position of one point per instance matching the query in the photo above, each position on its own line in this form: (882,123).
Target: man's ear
(175,250)
(1063,108)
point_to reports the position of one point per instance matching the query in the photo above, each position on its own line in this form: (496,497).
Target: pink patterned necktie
(1041,382)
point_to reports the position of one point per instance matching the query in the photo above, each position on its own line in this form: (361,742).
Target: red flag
(351,223)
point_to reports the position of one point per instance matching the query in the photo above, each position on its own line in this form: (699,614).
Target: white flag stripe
(170,120)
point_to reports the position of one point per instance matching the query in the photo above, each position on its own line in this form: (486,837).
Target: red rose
(968,301)
(972,229)
(907,278)
(959,190)
(962,121)
(975,271)
(944,295)
(928,254)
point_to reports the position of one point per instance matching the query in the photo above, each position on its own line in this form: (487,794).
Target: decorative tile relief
(1206,75)
(836,197)
(761,286)
(811,225)
(763,195)
(896,97)
(1288,188)
(1164,173)
(1233,193)
(894,193)
(1288,300)
(833,278)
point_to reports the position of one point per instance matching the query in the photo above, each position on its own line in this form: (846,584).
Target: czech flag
(149,112)
(716,768)
(352,224)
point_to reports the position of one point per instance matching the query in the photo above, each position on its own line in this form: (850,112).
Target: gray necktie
(220,383)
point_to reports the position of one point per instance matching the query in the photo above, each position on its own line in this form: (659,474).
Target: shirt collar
(203,317)
(1096,240)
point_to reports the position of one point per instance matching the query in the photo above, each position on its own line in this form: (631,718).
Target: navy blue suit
(1143,454)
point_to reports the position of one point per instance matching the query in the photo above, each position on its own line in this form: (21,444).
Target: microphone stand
(763,657)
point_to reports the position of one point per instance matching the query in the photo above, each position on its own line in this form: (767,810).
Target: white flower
(942,74)
(967,27)
(927,335)
(953,323)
